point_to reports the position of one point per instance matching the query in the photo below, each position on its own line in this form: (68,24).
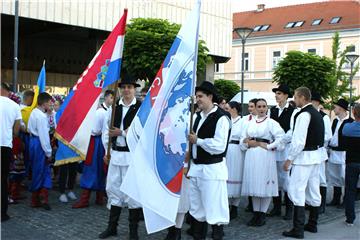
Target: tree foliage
(226,88)
(147,42)
(341,77)
(306,69)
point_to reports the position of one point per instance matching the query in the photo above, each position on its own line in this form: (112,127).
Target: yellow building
(305,27)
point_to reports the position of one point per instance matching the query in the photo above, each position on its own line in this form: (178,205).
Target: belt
(336,148)
(121,148)
(312,148)
(261,140)
(234,142)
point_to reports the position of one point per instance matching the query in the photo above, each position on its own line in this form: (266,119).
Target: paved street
(63,222)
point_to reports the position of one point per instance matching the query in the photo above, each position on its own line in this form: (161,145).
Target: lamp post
(351,58)
(243,34)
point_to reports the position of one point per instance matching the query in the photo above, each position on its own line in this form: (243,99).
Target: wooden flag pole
(111,125)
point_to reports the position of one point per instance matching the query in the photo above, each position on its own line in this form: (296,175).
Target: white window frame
(275,59)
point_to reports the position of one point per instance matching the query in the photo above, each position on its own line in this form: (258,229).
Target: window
(246,61)
(299,24)
(290,25)
(276,58)
(265,27)
(335,20)
(312,50)
(294,24)
(216,67)
(257,28)
(316,22)
(261,28)
(350,48)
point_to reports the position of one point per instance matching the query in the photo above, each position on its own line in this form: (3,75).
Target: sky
(247,5)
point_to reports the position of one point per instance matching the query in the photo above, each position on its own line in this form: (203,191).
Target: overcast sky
(246,5)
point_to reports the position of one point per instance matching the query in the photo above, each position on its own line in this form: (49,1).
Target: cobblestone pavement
(63,222)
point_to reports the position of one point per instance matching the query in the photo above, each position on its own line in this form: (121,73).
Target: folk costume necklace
(260,120)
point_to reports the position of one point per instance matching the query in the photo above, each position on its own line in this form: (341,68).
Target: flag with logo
(77,114)
(160,151)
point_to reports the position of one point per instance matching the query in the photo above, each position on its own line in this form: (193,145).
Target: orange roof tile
(279,17)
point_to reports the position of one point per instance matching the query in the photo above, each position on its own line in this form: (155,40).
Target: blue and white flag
(160,151)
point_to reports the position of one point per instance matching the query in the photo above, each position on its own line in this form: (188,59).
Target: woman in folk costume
(260,181)
(234,158)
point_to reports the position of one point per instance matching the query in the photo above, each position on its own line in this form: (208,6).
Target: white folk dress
(260,172)
(235,159)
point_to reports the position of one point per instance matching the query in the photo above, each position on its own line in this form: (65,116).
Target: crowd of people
(289,153)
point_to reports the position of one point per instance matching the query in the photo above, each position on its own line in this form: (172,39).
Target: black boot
(323,200)
(254,219)
(311,226)
(199,229)
(336,199)
(233,212)
(276,211)
(218,232)
(249,207)
(357,194)
(134,218)
(113,222)
(289,208)
(173,233)
(298,221)
(190,230)
(261,220)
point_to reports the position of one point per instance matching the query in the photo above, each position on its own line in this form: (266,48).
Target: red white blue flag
(159,154)
(77,114)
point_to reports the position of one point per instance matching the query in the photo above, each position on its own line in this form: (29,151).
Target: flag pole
(115,89)
(192,107)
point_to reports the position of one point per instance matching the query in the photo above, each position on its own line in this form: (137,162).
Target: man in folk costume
(316,101)
(40,152)
(305,159)
(125,111)
(336,163)
(208,172)
(282,114)
(93,176)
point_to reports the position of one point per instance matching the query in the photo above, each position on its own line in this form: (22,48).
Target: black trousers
(5,164)
(67,172)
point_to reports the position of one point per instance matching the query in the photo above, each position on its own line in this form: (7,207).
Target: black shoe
(323,200)
(5,217)
(298,224)
(293,234)
(46,206)
(218,232)
(108,233)
(171,233)
(310,228)
(253,220)
(261,220)
(336,198)
(111,229)
(249,207)
(190,231)
(233,212)
(289,208)
(275,212)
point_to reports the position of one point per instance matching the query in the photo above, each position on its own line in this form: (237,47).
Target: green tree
(147,42)
(226,88)
(341,77)
(306,69)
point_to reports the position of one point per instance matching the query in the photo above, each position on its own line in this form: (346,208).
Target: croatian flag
(160,151)
(77,114)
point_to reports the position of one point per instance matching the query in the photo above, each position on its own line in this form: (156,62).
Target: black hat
(316,97)
(284,89)
(127,79)
(208,87)
(342,103)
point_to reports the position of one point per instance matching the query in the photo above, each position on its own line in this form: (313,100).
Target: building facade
(305,27)
(68,33)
